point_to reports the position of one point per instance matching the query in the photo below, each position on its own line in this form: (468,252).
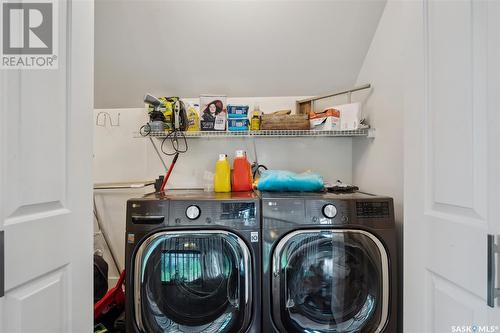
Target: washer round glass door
(193,281)
(327,281)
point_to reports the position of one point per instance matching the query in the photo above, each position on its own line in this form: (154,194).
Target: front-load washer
(193,263)
(329,263)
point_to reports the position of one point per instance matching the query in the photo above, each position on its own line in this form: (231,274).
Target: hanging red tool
(170,168)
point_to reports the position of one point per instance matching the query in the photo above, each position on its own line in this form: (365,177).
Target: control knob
(193,212)
(329,211)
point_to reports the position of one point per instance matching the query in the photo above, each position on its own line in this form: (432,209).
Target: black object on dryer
(329,263)
(193,263)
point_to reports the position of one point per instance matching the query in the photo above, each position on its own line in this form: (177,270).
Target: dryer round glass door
(330,281)
(193,281)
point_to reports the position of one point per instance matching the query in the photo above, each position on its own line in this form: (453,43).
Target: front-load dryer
(193,263)
(329,263)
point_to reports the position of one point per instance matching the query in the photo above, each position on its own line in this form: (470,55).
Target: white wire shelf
(367,132)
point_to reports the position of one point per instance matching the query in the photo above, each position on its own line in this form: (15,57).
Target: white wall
(239,48)
(378,164)
(120,156)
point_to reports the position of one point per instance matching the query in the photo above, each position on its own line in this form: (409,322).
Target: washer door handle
(493,292)
(148,219)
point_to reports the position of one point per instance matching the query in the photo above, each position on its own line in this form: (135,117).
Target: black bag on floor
(100,277)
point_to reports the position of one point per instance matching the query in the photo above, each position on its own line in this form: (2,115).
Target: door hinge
(493,292)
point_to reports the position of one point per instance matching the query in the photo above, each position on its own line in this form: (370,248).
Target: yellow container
(222,179)
(193,119)
(255,122)
(255,119)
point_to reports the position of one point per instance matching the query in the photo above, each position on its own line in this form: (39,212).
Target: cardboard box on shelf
(327,120)
(237,124)
(350,115)
(237,111)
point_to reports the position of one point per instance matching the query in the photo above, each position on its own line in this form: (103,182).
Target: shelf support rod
(363,87)
(158,153)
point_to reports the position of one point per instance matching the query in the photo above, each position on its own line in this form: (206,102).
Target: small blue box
(238,124)
(237,111)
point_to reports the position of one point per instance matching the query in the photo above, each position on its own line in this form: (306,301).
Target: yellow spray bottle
(222,179)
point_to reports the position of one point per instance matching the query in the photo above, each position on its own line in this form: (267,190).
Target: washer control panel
(334,212)
(213,212)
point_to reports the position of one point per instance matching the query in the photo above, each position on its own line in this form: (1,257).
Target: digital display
(372,209)
(238,211)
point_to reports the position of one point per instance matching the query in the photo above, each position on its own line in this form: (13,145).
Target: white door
(452,164)
(46,184)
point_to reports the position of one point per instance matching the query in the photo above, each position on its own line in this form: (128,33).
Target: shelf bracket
(371,133)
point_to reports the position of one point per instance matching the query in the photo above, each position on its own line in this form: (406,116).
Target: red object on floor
(114,298)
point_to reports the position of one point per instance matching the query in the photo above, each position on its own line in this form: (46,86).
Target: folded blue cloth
(287,181)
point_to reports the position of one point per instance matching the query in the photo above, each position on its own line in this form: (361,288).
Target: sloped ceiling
(237,48)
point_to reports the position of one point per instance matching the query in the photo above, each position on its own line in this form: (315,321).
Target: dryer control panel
(213,212)
(284,212)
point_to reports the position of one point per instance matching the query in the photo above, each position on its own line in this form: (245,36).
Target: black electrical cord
(177,140)
(176,136)
(145,130)
(256,169)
